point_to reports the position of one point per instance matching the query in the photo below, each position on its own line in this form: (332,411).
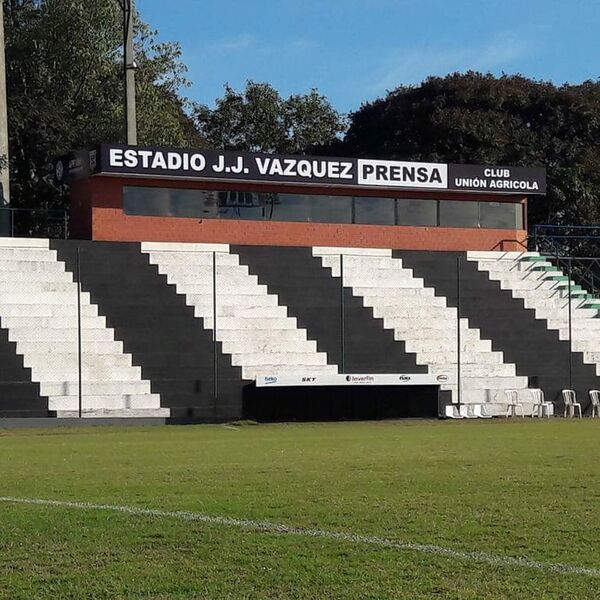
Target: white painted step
(98,388)
(123,413)
(47,310)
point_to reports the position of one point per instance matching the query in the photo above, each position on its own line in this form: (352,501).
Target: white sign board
(350,379)
(392,173)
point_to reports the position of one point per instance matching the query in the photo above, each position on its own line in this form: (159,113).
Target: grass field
(512,489)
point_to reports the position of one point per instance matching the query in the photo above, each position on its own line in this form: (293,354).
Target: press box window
(312,209)
(163,202)
(416,212)
(501,215)
(458,214)
(374,211)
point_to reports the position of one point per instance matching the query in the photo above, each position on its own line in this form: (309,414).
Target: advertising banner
(350,379)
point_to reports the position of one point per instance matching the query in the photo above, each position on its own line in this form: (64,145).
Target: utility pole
(129,68)
(4,171)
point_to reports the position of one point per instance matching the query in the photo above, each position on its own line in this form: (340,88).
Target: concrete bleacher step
(253,345)
(96,372)
(254,323)
(448,346)
(33,267)
(16,296)
(440,357)
(10,277)
(390,288)
(43,287)
(296,359)
(250,373)
(70,356)
(114,413)
(55,322)
(58,334)
(90,348)
(105,401)
(260,335)
(99,387)
(18,309)
(268,313)
(229,300)
(39,255)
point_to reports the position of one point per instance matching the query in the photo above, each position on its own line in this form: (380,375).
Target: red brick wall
(99,200)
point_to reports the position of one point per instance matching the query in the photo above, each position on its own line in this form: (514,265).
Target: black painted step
(157,328)
(314,297)
(18,393)
(513,329)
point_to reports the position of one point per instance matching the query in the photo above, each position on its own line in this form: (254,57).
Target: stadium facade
(194,275)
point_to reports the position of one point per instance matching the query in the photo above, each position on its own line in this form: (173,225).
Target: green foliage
(259,119)
(509,120)
(65,88)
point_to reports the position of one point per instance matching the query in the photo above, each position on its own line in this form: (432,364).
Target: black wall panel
(19,396)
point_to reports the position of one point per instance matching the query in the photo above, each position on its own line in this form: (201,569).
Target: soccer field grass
(521,488)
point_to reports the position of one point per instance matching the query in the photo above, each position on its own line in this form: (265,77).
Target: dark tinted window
(376,211)
(417,212)
(146,201)
(501,215)
(459,214)
(242,205)
(238,204)
(186,203)
(315,209)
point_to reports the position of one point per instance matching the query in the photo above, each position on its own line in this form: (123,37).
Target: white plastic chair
(539,404)
(595,398)
(570,400)
(480,412)
(466,411)
(512,403)
(452,412)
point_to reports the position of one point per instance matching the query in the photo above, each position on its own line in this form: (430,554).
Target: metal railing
(566,240)
(574,249)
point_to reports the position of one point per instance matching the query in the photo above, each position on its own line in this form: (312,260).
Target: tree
(65,88)
(259,119)
(509,120)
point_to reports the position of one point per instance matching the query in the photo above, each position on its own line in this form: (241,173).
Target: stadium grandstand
(204,286)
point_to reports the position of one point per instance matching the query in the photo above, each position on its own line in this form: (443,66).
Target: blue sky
(355,50)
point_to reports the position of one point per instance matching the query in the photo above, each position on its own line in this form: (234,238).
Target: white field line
(266,527)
